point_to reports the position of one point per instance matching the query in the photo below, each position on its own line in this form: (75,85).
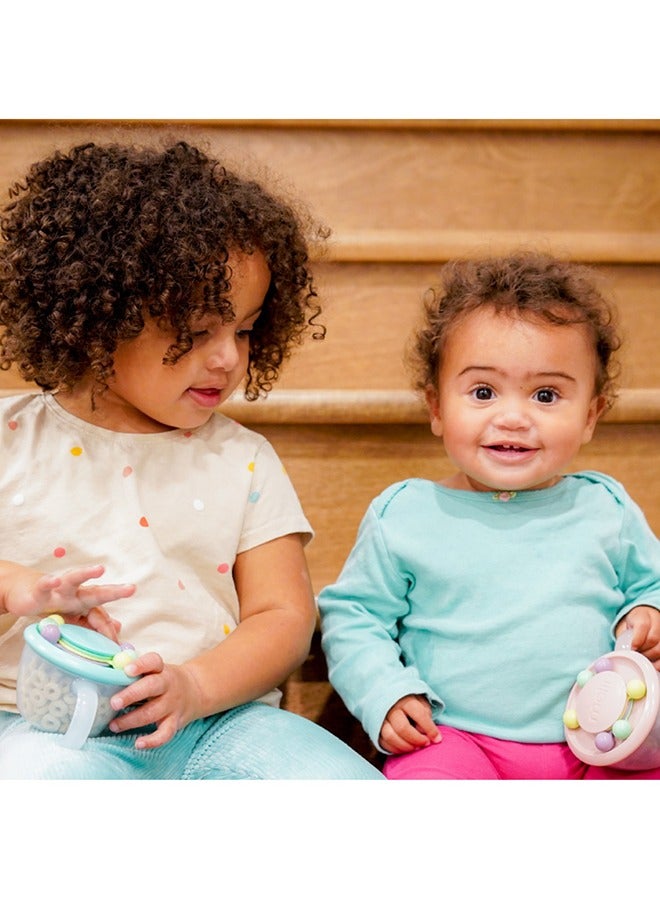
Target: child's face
(145,395)
(515,400)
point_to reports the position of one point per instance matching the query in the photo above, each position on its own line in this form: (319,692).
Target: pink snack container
(612,712)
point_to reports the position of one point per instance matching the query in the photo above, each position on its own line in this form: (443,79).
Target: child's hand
(645,623)
(409,726)
(168,697)
(27,592)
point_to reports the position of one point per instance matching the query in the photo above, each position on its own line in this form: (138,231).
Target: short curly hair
(99,237)
(525,283)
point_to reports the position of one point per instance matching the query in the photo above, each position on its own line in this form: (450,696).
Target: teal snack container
(66,677)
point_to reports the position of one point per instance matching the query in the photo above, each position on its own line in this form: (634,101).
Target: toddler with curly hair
(138,289)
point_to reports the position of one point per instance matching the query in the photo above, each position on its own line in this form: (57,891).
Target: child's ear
(597,407)
(433,403)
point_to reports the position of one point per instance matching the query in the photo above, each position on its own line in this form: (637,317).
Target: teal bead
(584,676)
(622,729)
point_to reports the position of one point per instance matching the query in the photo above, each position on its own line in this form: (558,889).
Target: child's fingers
(645,624)
(73,578)
(99,620)
(148,664)
(651,647)
(138,713)
(105,593)
(405,730)
(150,685)
(420,714)
(164,733)
(392,742)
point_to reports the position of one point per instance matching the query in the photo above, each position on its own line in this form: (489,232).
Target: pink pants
(462,755)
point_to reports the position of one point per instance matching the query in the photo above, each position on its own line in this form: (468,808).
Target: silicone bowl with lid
(66,677)
(612,715)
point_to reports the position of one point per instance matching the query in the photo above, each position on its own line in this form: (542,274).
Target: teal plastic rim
(79,665)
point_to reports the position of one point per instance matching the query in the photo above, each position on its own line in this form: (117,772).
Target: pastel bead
(622,729)
(604,741)
(584,676)
(636,689)
(570,719)
(50,632)
(603,665)
(123,658)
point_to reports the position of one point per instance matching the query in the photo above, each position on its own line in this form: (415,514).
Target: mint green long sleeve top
(489,608)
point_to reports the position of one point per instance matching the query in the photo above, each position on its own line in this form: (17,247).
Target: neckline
(506,499)
(89,428)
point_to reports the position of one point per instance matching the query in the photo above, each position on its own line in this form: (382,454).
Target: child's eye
(546,395)
(199,334)
(483,392)
(244,333)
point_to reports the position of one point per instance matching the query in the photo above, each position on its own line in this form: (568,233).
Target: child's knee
(260,742)
(27,754)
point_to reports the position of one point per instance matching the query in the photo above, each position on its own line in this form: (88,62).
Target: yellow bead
(570,719)
(636,689)
(123,658)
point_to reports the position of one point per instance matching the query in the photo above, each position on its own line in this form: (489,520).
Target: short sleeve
(273,508)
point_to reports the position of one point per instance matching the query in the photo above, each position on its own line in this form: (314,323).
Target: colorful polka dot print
(177,511)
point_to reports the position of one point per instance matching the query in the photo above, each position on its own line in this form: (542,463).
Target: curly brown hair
(97,238)
(527,284)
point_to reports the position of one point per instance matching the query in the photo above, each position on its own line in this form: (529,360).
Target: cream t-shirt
(168,512)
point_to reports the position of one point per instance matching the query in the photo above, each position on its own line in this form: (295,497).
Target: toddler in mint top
(467,607)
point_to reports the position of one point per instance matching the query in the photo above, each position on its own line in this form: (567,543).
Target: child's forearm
(253,660)
(275,630)
(257,657)
(272,638)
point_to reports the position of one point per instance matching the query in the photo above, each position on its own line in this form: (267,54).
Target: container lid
(80,651)
(612,708)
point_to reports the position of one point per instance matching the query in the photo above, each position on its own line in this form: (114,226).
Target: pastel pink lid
(612,708)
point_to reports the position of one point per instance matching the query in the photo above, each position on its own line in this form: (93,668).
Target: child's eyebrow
(469,369)
(563,375)
(497,371)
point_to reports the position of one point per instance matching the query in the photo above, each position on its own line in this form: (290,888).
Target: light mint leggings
(254,741)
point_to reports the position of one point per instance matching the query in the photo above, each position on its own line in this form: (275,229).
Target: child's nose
(513,415)
(224,354)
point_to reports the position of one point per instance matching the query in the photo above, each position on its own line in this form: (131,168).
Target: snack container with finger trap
(66,677)
(612,716)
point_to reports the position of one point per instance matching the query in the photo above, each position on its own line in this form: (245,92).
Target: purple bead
(604,741)
(50,632)
(603,665)
(126,646)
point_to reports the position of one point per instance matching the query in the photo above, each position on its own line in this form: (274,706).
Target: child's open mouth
(207,397)
(509,448)
(513,452)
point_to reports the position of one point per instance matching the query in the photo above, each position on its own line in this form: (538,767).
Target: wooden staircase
(402,197)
